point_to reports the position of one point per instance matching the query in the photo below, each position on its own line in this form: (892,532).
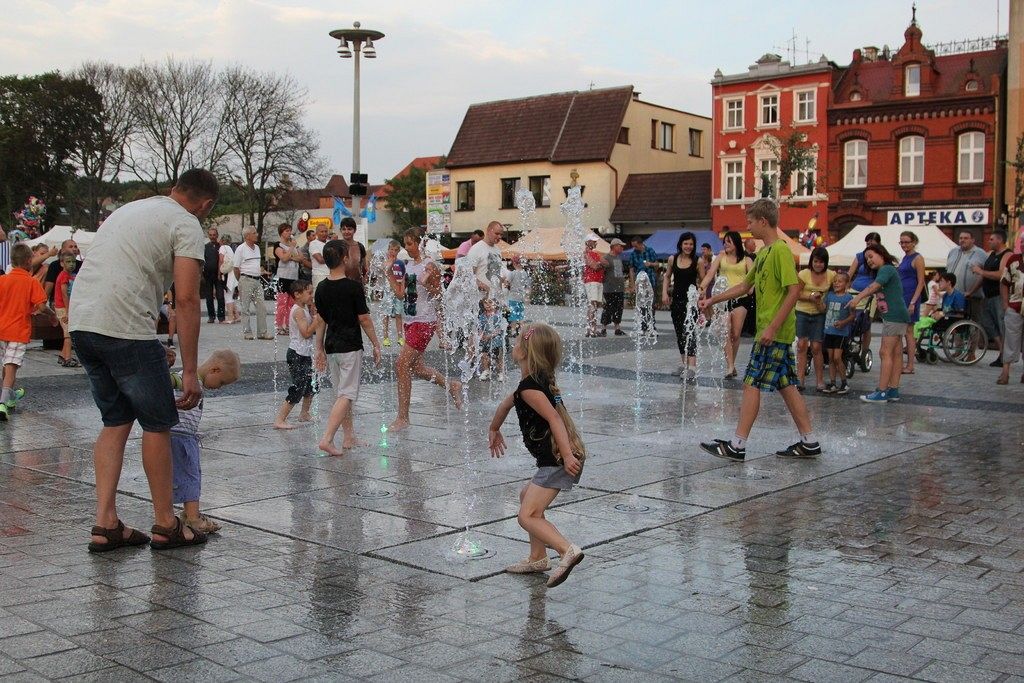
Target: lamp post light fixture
(353,42)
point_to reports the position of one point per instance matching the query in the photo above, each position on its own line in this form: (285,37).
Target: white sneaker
(527,567)
(485,375)
(573,556)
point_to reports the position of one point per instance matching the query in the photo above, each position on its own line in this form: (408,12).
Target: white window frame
(761,109)
(912,87)
(855,175)
(663,127)
(915,159)
(973,171)
(799,183)
(733,180)
(813,92)
(739,111)
(773,176)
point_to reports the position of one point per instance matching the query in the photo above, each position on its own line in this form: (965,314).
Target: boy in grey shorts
(343,317)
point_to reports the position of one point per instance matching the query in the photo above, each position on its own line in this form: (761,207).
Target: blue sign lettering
(960,218)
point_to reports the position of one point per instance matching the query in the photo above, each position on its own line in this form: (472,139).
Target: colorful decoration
(30,218)
(811,237)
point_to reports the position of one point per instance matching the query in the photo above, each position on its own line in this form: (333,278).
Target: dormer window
(855,97)
(972,86)
(912,80)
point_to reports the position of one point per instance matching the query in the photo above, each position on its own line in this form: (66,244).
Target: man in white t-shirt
(250,285)
(316,256)
(484,258)
(138,252)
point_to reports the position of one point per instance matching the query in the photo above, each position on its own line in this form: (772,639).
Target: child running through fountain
(492,341)
(219,370)
(341,306)
(301,328)
(772,365)
(551,437)
(394,271)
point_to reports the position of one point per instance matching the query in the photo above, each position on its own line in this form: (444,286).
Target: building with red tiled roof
(604,135)
(915,137)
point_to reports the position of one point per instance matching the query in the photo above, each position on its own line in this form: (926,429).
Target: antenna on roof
(591,84)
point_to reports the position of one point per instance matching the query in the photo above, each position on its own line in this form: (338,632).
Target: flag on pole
(369,212)
(340,210)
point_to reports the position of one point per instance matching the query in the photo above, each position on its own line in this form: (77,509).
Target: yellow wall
(601,181)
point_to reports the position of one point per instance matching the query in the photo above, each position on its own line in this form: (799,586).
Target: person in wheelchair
(954,304)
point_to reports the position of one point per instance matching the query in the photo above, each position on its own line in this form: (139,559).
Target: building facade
(602,135)
(915,137)
(756,117)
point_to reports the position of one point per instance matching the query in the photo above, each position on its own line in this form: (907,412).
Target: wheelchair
(960,340)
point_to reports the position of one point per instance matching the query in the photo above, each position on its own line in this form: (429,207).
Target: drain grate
(749,473)
(635,508)
(373,493)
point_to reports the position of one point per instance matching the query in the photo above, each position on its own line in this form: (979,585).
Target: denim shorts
(810,327)
(129,380)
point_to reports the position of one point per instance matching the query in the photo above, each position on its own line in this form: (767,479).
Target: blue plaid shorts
(771,367)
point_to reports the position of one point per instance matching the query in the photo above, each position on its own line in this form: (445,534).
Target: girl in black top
(686,269)
(551,437)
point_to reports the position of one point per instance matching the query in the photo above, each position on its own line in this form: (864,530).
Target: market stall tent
(798,250)
(546,243)
(59,233)
(450,254)
(663,242)
(932,244)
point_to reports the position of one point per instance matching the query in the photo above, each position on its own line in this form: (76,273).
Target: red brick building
(753,113)
(915,138)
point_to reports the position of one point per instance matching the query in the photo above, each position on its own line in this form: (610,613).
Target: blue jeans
(129,380)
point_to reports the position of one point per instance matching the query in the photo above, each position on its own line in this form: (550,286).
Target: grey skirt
(555,478)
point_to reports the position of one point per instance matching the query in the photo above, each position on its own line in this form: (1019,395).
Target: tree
(797,162)
(178,112)
(266,138)
(407,198)
(101,158)
(43,121)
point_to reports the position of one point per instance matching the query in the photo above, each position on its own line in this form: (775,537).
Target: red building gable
(753,114)
(916,137)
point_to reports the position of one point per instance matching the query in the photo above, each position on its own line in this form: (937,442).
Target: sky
(437,58)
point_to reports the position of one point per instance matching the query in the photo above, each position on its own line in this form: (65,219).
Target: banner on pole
(439,200)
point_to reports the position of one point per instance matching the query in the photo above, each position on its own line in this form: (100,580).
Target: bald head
(494,232)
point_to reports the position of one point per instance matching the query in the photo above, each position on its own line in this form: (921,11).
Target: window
(466,195)
(855,170)
(508,192)
(654,133)
(972,157)
(805,183)
(665,134)
(695,143)
(769,110)
(912,80)
(855,97)
(805,101)
(733,114)
(912,160)
(733,180)
(623,135)
(540,186)
(768,171)
(972,86)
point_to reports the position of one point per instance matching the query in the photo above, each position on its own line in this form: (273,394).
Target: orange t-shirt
(20,293)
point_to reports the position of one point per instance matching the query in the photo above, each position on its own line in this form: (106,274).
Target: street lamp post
(353,42)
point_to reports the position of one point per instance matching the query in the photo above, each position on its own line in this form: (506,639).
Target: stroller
(854,355)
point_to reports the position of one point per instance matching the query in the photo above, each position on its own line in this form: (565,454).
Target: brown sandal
(175,537)
(115,538)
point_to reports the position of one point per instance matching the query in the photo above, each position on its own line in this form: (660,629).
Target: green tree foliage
(408,199)
(43,120)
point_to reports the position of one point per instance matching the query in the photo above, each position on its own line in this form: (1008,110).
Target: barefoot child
(393,304)
(551,437)
(301,328)
(772,364)
(21,295)
(838,318)
(219,370)
(342,311)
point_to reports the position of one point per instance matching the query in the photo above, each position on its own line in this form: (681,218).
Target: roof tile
(679,196)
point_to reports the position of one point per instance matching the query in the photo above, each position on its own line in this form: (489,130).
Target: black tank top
(682,278)
(990,288)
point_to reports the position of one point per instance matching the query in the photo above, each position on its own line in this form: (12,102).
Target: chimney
(870,53)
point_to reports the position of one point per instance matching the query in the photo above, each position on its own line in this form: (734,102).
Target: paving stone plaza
(898,554)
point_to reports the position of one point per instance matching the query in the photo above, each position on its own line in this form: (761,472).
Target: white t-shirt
(320,270)
(296,342)
(488,266)
(121,285)
(247,259)
(418,306)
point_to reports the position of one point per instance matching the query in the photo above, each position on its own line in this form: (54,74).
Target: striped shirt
(188,420)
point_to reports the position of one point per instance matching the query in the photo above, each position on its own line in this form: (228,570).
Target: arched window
(855,155)
(912,160)
(971,148)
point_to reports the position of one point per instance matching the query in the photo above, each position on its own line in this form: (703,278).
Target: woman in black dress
(685,269)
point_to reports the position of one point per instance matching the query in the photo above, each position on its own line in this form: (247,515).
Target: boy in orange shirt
(21,295)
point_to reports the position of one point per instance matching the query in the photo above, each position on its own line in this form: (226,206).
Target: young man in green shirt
(772,363)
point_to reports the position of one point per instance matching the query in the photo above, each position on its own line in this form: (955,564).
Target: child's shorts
(62,314)
(834,341)
(771,367)
(418,335)
(555,478)
(345,370)
(516,311)
(395,307)
(301,369)
(12,352)
(187,473)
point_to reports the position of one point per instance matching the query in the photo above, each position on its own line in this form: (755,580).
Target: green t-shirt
(890,297)
(773,273)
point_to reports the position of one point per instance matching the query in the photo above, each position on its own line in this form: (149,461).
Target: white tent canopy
(59,233)
(932,244)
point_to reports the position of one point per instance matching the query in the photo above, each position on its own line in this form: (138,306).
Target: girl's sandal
(115,538)
(175,537)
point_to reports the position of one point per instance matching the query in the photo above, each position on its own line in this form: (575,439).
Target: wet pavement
(898,554)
